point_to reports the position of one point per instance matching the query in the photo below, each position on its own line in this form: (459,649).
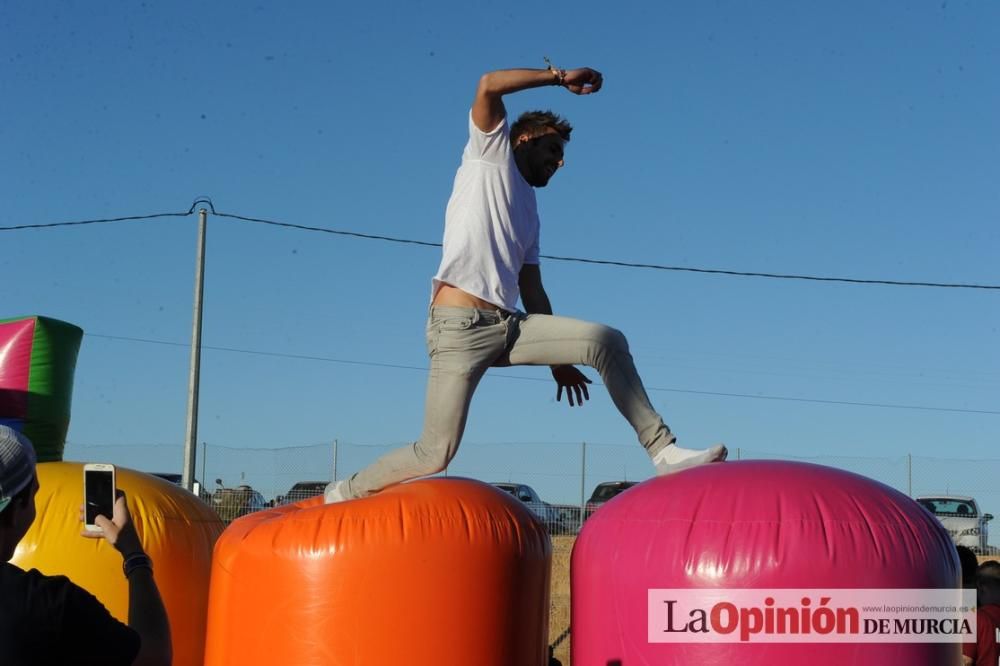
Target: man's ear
(522,138)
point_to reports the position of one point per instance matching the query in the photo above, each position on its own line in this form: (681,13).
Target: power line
(128,218)
(255,352)
(629,264)
(325,230)
(750,396)
(779,276)
(580,260)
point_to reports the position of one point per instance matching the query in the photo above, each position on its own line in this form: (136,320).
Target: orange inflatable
(177,529)
(428,573)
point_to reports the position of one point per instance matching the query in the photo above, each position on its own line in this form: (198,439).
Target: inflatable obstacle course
(437,572)
(177,530)
(37,362)
(751,525)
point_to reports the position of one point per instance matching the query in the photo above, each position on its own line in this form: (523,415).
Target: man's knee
(605,344)
(434,458)
(610,338)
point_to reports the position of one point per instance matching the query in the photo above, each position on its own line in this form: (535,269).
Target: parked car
(546,513)
(961,516)
(231,503)
(604,492)
(176,479)
(302,490)
(172,477)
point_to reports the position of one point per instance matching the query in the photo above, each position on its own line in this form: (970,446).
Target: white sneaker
(673,458)
(335,492)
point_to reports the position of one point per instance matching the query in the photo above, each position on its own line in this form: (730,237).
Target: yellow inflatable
(177,530)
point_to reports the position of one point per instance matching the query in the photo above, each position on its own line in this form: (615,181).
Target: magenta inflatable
(751,525)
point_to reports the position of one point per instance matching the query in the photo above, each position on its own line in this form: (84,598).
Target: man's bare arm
(533,296)
(536,301)
(488,109)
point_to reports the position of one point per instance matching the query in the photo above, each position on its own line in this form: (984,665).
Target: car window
(942,506)
(606,492)
(603,493)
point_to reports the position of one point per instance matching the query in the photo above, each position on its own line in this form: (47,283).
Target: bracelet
(136,561)
(560,74)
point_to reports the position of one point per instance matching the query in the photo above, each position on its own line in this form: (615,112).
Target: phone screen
(100,494)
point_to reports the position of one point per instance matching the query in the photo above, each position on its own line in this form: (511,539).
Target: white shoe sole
(716,453)
(334,493)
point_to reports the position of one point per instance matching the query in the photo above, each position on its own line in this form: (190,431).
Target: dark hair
(989,569)
(21,498)
(988,582)
(535,123)
(969,563)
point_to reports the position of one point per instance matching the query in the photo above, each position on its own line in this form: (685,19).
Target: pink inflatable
(751,525)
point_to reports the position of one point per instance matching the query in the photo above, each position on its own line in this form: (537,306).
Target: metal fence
(560,479)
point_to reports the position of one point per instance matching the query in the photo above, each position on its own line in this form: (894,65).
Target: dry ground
(562,548)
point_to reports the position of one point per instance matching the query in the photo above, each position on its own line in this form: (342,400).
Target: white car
(961,516)
(546,513)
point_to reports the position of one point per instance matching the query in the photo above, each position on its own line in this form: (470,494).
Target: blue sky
(840,139)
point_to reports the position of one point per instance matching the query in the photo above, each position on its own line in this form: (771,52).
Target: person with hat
(51,620)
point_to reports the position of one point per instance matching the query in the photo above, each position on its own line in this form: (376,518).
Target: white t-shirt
(491,224)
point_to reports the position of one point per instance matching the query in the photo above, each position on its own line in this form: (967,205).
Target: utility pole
(190,441)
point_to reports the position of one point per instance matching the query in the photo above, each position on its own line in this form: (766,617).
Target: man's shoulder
(11,574)
(45,620)
(35,589)
(491,146)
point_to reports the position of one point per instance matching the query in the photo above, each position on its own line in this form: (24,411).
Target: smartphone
(98,493)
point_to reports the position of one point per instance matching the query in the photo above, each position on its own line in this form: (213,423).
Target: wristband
(560,74)
(137,561)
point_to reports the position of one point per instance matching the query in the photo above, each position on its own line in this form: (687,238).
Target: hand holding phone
(105,511)
(98,494)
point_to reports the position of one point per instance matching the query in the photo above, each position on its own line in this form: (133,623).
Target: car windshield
(606,492)
(945,506)
(308,486)
(506,486)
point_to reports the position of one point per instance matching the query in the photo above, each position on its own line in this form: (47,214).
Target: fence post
(583,482)
(334,460)
(738,453)
(909,474)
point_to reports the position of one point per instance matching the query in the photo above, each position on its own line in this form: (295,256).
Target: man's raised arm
(488,109)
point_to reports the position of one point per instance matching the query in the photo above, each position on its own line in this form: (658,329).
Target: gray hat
(17,464)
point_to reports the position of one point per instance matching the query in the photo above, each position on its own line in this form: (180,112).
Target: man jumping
(490,258)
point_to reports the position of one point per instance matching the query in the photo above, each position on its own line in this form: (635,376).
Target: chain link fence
(562,483)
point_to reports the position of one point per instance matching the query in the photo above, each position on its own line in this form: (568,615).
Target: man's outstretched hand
(568,377)
(583,81)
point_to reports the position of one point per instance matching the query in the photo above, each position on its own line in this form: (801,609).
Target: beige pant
(464,342)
